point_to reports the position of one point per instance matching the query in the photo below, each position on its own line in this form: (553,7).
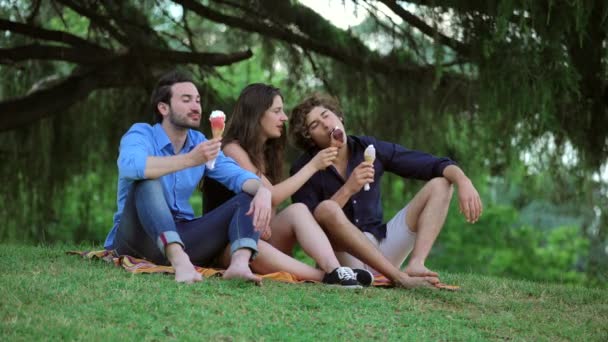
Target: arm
(261,207)
(159,166)
(468,198)
(137,159)
(288,187)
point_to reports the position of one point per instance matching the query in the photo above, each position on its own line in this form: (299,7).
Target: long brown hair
(244,127)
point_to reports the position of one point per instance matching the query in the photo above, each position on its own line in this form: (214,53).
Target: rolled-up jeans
(147,226)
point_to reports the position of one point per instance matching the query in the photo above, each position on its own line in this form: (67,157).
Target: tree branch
(181,57)
(40,33)
(360,59)
(99,20)
(50,52)
(43,103)
(423,27)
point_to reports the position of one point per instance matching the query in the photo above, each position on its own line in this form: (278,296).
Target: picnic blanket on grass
(136,265)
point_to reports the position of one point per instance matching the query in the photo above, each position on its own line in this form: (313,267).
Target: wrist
(188,160)
(310,167)
(347,191)
(462,181)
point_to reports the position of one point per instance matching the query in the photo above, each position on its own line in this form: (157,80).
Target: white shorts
(396,246)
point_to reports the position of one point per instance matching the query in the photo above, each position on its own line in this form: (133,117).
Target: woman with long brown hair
(255,138)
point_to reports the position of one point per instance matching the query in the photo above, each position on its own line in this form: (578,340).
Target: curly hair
(298,130)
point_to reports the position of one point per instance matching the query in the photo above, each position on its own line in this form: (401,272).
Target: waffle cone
(217,132)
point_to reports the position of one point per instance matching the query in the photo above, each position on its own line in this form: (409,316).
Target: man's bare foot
(408,282)
(241,272)
(184,270)
(419,270)
(187,274)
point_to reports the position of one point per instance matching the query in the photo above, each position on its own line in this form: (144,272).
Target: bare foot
(241,272)
(418,270)
(184,270)
(408,282)
(187,274)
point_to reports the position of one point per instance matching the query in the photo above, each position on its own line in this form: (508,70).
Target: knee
(298,209)
(243,199)
(148,187)
(441,187)
(327,210)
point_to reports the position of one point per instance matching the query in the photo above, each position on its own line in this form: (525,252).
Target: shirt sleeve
(135,147)
(410,163)
(229,173)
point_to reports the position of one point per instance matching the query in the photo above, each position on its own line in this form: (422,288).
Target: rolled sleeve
(229,173)
(134,150)
(410,163)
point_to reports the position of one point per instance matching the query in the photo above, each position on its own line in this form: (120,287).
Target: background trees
(514,91)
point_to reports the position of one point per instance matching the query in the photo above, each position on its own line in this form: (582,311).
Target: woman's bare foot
(239,267)
(184,270)
(240,272)
(419,270)
(408,282)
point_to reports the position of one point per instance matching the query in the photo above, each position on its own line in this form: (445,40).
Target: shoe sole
(350,287)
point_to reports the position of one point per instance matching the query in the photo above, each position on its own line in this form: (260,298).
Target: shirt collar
(162,139)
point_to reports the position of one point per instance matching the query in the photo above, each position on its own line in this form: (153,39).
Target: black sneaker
(364,277)
(342,276)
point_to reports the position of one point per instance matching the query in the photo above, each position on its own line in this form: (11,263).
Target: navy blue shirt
(364,209)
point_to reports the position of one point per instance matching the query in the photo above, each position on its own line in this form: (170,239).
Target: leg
(425,216)
(345,236)
(271,260)
(296,223)
(206,237)
(147,230)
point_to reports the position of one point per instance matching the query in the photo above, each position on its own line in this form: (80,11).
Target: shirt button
(357,220)
(354,201)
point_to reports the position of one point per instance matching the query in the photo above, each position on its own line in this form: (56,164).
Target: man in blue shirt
(352,216)
(159,167)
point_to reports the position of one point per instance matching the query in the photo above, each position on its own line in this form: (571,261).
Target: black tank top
(214,194)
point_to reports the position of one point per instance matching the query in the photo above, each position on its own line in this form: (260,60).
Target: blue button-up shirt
(364,209)
(142,141)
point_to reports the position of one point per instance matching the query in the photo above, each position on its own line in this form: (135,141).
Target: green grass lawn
(47,295)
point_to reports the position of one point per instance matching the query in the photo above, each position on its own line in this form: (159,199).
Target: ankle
(176,255)
(240,257)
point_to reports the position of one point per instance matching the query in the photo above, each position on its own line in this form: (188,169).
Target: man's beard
(181,121)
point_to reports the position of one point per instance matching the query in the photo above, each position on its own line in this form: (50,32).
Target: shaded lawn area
(47,295)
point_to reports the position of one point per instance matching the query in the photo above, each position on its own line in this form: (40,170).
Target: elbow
(129,170)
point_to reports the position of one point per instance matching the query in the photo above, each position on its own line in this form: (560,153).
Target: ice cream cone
(218,123)
(370,156)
